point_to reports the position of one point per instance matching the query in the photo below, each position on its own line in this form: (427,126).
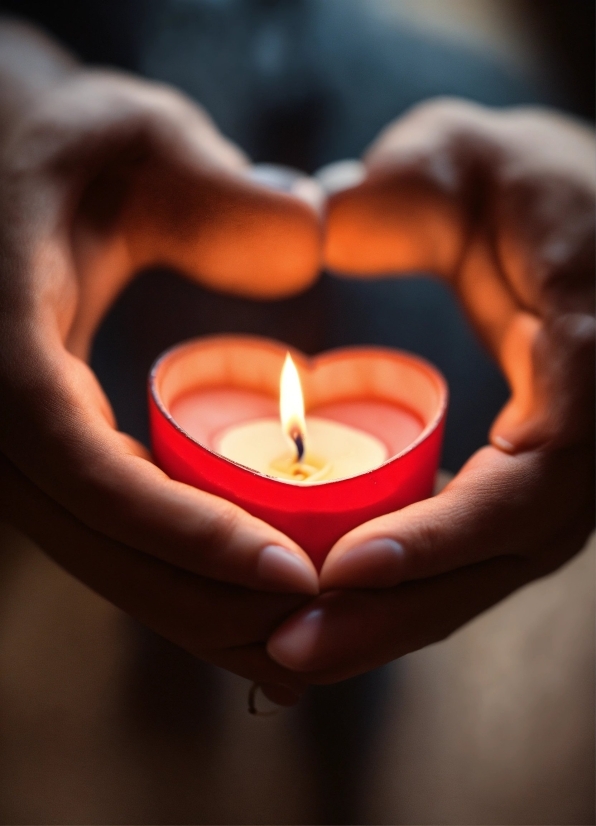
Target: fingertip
(287,571)
(294,645)
(290,182)
(324,635)
(311,193)
(365,230)
(373,563)
(513,432)
(284,252)
(510,430)
(502,443)
(344,234)
(340,175)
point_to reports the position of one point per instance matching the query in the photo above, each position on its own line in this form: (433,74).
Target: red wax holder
(315,516)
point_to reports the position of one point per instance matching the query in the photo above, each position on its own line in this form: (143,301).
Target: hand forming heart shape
(102,174)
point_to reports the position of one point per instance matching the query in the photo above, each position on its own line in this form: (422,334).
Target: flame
(291,406)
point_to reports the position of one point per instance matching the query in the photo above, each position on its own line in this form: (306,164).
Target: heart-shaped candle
(370,443)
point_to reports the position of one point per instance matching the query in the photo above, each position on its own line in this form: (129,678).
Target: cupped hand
(501,205)
(101,175)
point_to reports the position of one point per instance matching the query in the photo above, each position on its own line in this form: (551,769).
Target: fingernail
(294,646)
(340,175)
(377,563)
(281,569)
(502,444)
(291,181)
(309,191)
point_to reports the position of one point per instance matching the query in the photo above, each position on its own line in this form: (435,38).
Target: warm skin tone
(102,174)
(501,205)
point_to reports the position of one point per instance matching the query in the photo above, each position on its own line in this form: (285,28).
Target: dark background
(300,82)
(304,83)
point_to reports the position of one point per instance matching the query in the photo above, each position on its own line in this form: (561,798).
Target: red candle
(371,440)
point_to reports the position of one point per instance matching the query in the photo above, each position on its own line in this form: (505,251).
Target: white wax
(338,450)
(206,414)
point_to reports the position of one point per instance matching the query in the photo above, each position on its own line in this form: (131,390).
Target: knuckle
(95,112)
(577,330)
(566,353)
(218,527)
(450,115)
(443,143)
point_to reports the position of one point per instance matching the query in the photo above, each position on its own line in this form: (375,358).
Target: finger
(227,231)
(252,661)
(292,181)
(422,208)
(425,206)
(57,426)
(497,505)
(524,174)
(543,211)
(197,614)
(347,633)
(192,203)
(499,203)
(398,220)
(550,368)
(412,212)
(55,431)
(143,177)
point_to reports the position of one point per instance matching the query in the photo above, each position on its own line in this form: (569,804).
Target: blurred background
(103,722)
(305,83)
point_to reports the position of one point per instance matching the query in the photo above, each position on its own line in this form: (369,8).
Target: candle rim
(308,363)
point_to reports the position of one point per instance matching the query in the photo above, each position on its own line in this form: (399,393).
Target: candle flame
(291,406)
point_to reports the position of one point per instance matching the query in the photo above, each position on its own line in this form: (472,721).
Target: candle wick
(298,441)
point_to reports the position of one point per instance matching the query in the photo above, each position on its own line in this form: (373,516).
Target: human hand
(500,204)
(101,175)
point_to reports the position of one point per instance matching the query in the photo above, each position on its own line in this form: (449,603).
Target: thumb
(159,184)
(195,206)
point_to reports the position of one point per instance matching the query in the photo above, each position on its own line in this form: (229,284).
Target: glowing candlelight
(332,451)
(291,406)
(375,417)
